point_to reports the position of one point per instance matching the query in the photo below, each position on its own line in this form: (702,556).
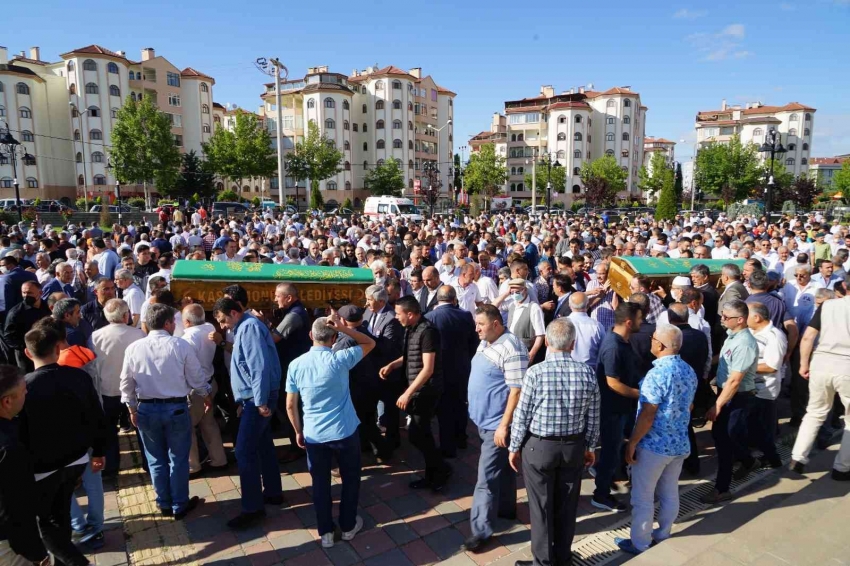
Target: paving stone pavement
(402,527)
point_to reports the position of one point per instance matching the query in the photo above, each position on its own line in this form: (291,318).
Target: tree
(731,170)
(804,192)
(486,174)
(315,158)
(649,178)
(602,178)
(243,152)
(143,148)
(227,196)
(195,178)
(668,200)
(841,180)
(386,179)
(678,185)
(558,180)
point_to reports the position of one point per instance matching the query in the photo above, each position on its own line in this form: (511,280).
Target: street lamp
(109,168)
(434,184)
(546,160)
(772,145)
(82,153)
(12,148)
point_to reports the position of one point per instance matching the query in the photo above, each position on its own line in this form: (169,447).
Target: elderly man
(468,296)
(130,293)
(159,372)
(603,299)
(109,345)
(93,311)
(319,379)
(556,425)
(588,332)
(495,384)
(428,297)
(525,317)
(736,373)
(42,261)
(799,295)
(659,442)
(61,283)
(710,297)
(255,382)
(196,333)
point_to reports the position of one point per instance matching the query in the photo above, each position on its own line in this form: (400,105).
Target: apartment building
(823,169)
(370,115)
(68,109)
(664,146)
(572,128)
(753,121)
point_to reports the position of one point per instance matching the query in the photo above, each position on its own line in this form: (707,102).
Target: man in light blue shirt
(589,333)
(319,379)
(107,260)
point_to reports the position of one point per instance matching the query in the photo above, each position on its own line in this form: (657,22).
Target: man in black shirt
(641,338)
(617,373)
(19,536)
(422,364)
(20,319)
(92,312)
(146,266)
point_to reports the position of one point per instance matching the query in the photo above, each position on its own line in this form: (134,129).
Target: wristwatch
(222,344)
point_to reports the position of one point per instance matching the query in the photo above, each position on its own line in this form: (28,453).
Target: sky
(682,57)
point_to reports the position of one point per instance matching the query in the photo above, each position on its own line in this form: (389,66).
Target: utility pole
(278,68)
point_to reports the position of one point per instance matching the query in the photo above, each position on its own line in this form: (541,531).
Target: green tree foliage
(731,170)
(143,148)
(227,196)
(602,178)
(315,158)
(650,178)
(558,180)
(679,183)
(243,152)
(386,179)
(195,178)
(486,174)
(347,203)
(136,202)
(667,201)
(841,180)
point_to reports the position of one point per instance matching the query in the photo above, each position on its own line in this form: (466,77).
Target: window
(804,161)
(348,185)
(112,68)
(381,144)
(807,132)
(329,103)
(379,105)
(805,147)
(204,87)
(27,136)
(2,112)
(379,85)
(331,186)
(365,146)
(758,132)
(627,103)
(577,154)
(345,125)
(178,140)
(330,124)
(89,65)
(364,109)
(114,90)
(808,117)
(562,120)
(346,145)
(94,111)
(331,144)
(576,188)
(23,88)
(205,109)
(789,161)
(410,126)
(627,120)
(379,125)
(70,67)
(380,162)
(520,187)
(99,180)
(365,128)
(513,137)
(32,183)
(513,170)
(365,163)
(609,136)
(81,180)
(561,154)
(578,120)
(206,128)
(397,144)
(6,183)
(97,157)
(396,124)
(79,158)
(172,79)
(311,103)
(133,96)
(562,136)
(625,136)
(76,135)
(609,152)
(95,135)
(347,166)
(133,76)
(363,90)
(577,136)
(354,126)
(611,103)
(410,164)
(396,104)
(410,106)
(793,118)
(792,146)
(396,85)
(513,187)
(345,105)
(91,88)
(174,100)
(610,121)
(114,113)
(25,112)
(792,132)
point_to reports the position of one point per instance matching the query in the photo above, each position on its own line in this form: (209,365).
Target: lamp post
(772,145)
(109,168)
(432,192)
(83,152)
(12,148)
(546,160)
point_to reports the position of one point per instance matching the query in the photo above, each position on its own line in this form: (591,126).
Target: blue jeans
(347,454)
(654,473)
(166,430)
(731,438)
(93,519)
(612,430)
(495,489)
(255,455)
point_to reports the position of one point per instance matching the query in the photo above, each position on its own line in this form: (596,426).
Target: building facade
(823,169)
(571,128)
(654,145)
(794,123)
(66,111)
(371,116)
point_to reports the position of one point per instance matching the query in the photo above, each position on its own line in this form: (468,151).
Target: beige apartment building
(823,169)
(68,109)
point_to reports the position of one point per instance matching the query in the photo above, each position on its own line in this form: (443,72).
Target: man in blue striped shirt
(557,426)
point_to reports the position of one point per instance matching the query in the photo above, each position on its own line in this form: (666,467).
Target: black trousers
(112,408)
(389,393)
(421,410)
(53,509)
(552,471)
(453,416)
(365,400)
(798,387)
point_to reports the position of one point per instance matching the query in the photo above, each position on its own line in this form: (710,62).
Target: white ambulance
(392,207)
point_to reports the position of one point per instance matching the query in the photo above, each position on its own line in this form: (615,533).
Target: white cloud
(725,44)
(734,30)
(831,135)
(685,14)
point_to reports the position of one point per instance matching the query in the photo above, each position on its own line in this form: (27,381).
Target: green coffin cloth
(258,272)
(650,266)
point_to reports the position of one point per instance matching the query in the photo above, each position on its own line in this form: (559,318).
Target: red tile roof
(827,160)
(388,70)
(657,140)
(192,73)
(521,109)
(566,105)
(707,114)
(28,60)
(443,90)
(94,50)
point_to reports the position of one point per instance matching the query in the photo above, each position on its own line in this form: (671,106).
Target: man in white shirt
(109,344)
(765,253)
(589,333)
(468,297)
(231,252)
(158,374)
(130,293)
(525,318)
(487,289)
(197,335)
(196,218)
(799,295)
(720,251)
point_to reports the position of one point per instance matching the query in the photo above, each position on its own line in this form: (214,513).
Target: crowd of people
(508,322)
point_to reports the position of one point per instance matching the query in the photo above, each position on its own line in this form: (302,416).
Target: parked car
(538,209)
(340,212)
(234,207)
(113,208)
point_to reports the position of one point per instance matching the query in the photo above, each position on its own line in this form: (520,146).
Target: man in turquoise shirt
(319,379)
(736,385)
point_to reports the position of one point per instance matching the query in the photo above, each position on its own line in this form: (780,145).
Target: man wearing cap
(525,317)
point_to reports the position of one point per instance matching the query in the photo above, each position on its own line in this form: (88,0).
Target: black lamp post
(772,145)
(434,183)
(109,168)
(12,148)
(546,161)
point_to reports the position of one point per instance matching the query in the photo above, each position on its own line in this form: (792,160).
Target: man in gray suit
(428,296)
(733,290)
(389,335)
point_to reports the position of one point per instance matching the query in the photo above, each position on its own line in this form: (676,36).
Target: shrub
(228,196)
(136,202)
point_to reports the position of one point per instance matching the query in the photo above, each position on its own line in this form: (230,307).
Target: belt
(567,438)
(164,401)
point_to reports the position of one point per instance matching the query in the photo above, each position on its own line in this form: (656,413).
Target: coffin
(660,271)
(319,287)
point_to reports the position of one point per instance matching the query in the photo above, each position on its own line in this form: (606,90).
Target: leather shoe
(473,544)
(246,520)
(193,502)
(273,499)
(524,563)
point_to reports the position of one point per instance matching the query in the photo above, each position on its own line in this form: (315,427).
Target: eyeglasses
(798,275)
(724,317)
(660,342)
